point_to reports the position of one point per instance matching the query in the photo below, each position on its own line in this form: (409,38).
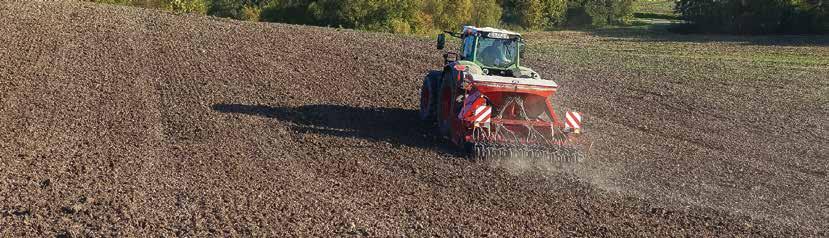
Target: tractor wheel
(445,103)
(428,98)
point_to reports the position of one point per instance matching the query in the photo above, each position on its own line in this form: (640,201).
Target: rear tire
(445,102)
(428,98)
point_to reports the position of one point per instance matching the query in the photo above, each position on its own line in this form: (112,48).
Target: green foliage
(547,14)
(287,11)
(604,12)
(405,16)
(534,14)
(599,12)
(755,17)
(655,7)
(486,13)
(806,16)
(147,3)
(186,6)
(178,6)
(250,13)
(447,15)
(555,12)
(531,14)
(247,10)
(225,8)
(118,2)
(377,15)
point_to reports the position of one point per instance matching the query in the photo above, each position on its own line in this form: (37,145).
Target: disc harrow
(490,151)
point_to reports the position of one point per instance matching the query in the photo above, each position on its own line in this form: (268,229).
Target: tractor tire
(446,99)
(428,97)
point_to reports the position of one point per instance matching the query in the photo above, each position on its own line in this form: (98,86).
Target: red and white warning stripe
(573,120)
(483,114)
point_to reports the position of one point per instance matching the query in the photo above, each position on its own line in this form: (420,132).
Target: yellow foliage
(251,13)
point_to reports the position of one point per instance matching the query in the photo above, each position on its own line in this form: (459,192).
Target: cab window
(497,53)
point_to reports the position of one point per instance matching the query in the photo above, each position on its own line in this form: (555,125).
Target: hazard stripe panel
(483,114)
(573,120)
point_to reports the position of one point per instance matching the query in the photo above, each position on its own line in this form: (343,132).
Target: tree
(447,15)
(555,12)
(458,12)
(604,12)
(250,13)
(225,8)
(755,17)
(404,17)
(288,11)
(186,6)
(486,13)
(534,14)
(599,12)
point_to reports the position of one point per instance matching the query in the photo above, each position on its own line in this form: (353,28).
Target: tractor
(490,106)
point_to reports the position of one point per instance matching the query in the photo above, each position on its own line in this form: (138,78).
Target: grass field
(656,51)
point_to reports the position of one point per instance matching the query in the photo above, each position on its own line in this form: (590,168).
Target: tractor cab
(491,48)
(489,51)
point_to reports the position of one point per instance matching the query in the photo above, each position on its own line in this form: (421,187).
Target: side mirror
(441,41)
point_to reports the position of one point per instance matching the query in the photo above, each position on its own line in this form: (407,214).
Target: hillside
(126,121)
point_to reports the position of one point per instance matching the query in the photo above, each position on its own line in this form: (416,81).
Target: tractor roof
(473,29)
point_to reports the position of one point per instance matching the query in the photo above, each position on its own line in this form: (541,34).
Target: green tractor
(487,103)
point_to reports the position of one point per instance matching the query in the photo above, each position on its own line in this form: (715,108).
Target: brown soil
(125,121)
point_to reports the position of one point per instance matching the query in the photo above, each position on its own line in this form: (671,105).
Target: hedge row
(408,16)
(755,16)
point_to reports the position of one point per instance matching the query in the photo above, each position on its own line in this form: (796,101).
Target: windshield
(497,53)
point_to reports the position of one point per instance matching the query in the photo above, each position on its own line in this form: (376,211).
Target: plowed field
(125,121)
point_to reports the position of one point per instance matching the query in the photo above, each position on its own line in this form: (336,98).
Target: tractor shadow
(395,126)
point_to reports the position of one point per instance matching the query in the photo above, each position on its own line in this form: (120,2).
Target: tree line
(408,16)
(428,16)
(755,16)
